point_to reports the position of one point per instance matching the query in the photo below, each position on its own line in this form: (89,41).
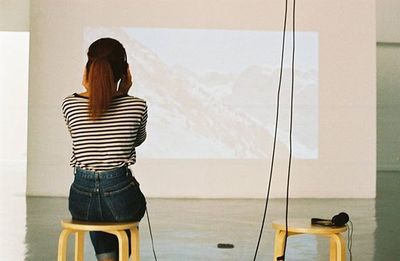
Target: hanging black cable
(275,133)
(350,238)
(290,127)
(151,235)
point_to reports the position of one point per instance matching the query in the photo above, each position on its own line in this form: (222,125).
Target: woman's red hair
(105,67)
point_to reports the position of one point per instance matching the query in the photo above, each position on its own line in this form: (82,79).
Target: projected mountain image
(203,107)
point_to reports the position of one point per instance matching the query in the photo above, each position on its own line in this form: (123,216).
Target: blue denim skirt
(106,196)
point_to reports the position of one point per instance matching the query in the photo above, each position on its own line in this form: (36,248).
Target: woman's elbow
(140,140)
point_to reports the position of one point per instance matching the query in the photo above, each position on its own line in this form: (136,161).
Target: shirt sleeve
(141,134)
(65,114)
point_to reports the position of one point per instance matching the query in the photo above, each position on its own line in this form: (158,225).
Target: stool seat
(96,226)
(118,229)
(304,226)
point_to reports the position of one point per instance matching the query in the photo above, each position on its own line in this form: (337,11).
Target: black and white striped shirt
(109,141)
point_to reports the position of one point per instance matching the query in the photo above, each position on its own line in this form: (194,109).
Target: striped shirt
(108,142)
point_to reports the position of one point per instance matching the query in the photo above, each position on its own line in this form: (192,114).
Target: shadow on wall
(387,206)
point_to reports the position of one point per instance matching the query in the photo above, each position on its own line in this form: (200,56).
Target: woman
(106,124)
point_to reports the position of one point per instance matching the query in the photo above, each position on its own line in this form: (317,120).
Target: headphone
(338,220)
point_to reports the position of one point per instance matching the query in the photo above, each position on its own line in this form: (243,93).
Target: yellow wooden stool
(80,227)
(303,226)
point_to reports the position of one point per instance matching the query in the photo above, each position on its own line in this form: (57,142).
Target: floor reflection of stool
(80,227)
(303,226)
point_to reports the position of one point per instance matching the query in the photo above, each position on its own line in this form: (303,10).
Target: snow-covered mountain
(218,115)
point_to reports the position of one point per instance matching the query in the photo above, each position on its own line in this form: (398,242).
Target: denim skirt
(112,195)
(106,196)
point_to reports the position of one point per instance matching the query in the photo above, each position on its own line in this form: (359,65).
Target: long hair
(106,65)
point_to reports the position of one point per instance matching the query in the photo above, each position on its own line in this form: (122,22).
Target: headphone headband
(338,220)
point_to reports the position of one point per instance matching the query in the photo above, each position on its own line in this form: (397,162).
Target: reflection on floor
(189,230)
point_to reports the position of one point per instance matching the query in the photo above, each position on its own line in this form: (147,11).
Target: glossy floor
(189,230)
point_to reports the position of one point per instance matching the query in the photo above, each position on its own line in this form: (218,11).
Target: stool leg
(279,243)
(62,245)
(135,246)
(79,249)
(123,250)
(332,249)
(337,248)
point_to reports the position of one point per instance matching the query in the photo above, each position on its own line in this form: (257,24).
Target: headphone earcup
(340,219)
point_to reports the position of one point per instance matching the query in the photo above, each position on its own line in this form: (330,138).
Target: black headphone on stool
(338,220)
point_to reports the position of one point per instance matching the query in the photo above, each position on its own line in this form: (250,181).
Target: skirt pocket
(79,203)
(127,203)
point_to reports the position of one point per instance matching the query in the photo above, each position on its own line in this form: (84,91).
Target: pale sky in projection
(226,51)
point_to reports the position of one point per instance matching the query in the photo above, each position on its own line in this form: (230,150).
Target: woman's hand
(126,82)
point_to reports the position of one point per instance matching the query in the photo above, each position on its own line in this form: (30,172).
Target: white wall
(347,127)
(388,85)
(14,54)
(14,58)
(387,21)
(14,15)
